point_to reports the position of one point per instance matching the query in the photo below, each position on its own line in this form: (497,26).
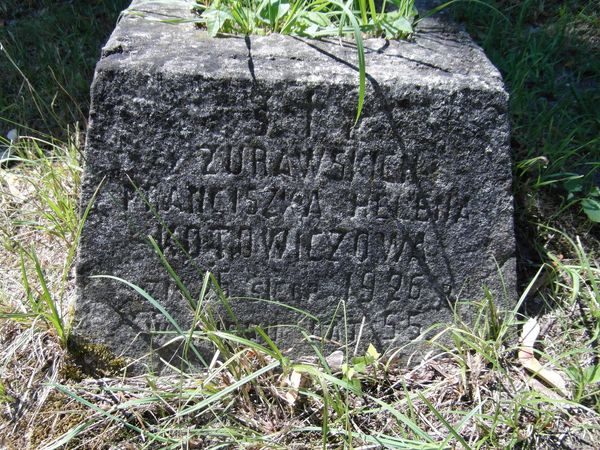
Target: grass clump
(39,194)
(313,19)
(39,226)
(476,393)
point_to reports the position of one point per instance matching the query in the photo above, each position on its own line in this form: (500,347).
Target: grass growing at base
(38,221)
(256,380)
(464,396)
(39,214)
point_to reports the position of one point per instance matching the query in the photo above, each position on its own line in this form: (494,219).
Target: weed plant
(39,229)
(39,213)
(313,19)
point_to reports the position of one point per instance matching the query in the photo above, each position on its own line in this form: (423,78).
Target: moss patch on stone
(88,359)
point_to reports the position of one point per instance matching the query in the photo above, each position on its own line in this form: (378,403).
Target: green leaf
(317,18)
(574,185)
(361,367)
(312,24)
(396,25)
(273,11)
(373,353)
(592,208)
(347,371)
(215,20)
(592,374)
(357,385)
(359,360)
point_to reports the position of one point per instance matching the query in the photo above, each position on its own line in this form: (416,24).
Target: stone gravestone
(240,156)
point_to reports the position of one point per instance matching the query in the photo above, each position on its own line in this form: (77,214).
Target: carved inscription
(358,288)
(407,204)
(292,245)
(357,217)
(333,163)
(249,163)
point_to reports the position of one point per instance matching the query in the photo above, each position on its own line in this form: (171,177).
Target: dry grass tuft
(30,362)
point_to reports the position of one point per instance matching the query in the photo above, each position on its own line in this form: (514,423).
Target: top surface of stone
(145,43)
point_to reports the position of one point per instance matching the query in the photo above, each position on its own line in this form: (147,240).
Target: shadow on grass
(55,44)
(549,56)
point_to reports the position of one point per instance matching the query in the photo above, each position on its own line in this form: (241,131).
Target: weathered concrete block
(247,150)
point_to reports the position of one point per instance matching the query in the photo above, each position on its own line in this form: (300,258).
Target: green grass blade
(224,392)
(361,57)
(67,437)
(25,281)
(73,247)
(270,343)
(182,288)
(197,315)
(446,424)
(104,413)
(224,335)
(148,297)
(463,422)
(404,419)
(53,316)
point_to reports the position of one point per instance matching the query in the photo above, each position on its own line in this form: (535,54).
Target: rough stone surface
(246,150)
